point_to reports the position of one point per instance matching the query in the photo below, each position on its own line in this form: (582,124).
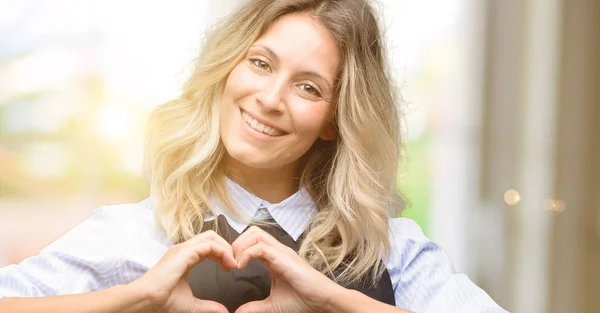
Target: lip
(263,121)
(255,133)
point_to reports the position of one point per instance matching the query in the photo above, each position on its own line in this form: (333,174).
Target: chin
(251,159)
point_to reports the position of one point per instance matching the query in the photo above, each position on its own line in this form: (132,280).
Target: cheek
(311,119)
(231,87)
(240,82)
(236,87)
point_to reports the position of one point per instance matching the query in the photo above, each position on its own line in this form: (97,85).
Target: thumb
(207,306)
(262,306)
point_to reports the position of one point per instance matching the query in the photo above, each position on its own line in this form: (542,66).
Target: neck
(273,185)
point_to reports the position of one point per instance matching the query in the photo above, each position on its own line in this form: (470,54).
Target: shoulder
(412,250)
(408,242)
(412,258)
(410,246)
(112,246)
(134,209)
(111,235)
(121,218)
(110,224)
(131,214)
(423,275)
(405,227)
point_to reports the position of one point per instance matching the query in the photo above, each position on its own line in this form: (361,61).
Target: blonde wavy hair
(352,179)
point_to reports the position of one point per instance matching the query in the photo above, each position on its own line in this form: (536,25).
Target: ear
(329,132)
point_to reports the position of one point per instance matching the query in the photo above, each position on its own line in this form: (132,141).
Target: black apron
(236,287)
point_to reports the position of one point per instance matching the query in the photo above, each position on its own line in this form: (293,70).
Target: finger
(223,256)
(219,262)
(192,255)
(211,236)
(251,237)
(206,306)
(272,274)
(269,270)
(222,250)
(261,251)
(255,307)
(221,266)
(222,262)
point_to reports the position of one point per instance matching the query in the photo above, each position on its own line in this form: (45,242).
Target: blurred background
(502,155)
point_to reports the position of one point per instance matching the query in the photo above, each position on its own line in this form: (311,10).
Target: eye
(310,90)
(260,64)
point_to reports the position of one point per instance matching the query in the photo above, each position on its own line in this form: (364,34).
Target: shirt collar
(292,214)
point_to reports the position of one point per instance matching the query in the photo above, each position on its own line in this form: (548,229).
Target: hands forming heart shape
(295,285)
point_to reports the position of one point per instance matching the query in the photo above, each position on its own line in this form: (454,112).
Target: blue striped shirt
(119,243)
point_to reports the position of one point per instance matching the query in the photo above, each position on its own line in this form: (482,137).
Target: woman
(289,122)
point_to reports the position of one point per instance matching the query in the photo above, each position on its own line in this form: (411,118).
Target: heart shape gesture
(295,285)
(165,285)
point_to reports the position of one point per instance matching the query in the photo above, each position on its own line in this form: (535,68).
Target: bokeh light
(554,205)
(512,197)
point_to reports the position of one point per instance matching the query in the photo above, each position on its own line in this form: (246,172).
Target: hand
(296,287)
(165,285)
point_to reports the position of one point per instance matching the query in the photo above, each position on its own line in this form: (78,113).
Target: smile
(260,127)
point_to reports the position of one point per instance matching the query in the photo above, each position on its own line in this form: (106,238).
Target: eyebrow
(310,73)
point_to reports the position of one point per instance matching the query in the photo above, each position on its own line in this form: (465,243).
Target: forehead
(301,41)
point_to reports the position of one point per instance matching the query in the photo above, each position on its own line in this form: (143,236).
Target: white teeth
(256,125)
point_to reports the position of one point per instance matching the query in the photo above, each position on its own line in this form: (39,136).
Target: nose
(272,94)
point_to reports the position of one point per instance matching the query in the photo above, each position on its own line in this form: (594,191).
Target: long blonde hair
(352,179)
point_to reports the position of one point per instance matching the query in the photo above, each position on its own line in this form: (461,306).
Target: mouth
(260,127)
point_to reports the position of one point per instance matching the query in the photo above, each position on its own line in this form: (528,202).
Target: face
(278,100)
